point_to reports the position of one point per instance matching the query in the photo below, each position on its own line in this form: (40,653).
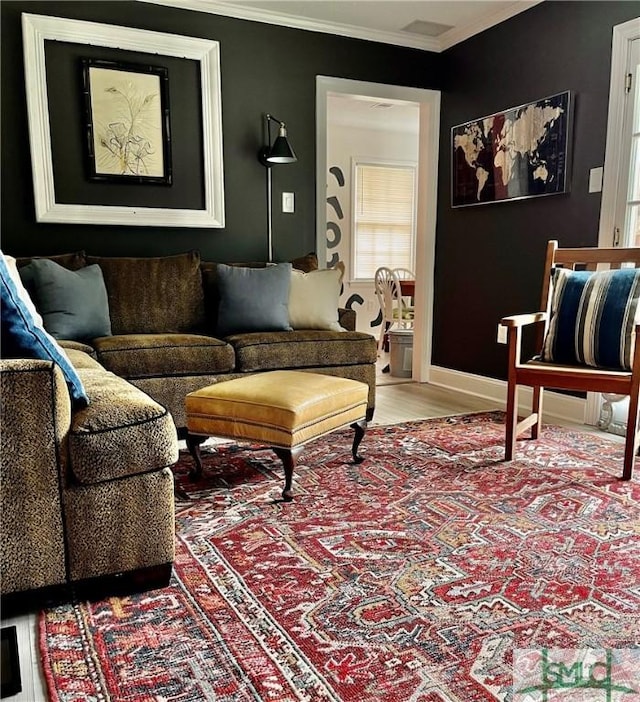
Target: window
(383,217)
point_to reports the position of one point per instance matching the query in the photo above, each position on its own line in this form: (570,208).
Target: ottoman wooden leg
(360,428)
(193,444)
(288,458)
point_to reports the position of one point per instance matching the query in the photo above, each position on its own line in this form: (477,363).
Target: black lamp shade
(281,151)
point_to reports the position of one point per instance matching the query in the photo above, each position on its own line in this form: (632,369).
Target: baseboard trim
(555,406)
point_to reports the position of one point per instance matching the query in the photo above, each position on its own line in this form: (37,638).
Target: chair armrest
(522,320)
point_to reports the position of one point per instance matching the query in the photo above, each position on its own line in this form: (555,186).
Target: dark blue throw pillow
(24,337)
(253,299)
(593,318)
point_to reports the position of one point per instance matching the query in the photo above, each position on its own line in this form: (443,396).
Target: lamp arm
(274,119)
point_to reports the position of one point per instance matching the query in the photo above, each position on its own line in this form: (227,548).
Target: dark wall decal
(334,170)
(334,202)
(335,228)
(377,321)
(332,226)
(354,299)
(334,259)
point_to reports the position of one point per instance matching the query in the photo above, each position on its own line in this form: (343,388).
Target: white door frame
(623,35)
(429,101)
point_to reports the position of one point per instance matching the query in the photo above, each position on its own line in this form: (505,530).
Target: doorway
(428,103)
(619,212)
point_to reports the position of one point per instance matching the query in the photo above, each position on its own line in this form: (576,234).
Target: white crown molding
(413,41)
(297,22)
(459,34)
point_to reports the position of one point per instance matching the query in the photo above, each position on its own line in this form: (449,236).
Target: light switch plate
(288,202)
(595,180)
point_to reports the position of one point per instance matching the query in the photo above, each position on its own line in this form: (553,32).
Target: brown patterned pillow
(72,261)
(307,263)
(153,295)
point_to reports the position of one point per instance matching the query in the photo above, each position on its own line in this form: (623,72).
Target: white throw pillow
(313,299)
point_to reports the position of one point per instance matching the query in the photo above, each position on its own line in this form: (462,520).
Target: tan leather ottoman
(282,409)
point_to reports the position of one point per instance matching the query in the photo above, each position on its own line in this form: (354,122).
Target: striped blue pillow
(593,317)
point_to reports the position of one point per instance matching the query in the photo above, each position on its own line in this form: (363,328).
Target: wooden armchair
(540,372)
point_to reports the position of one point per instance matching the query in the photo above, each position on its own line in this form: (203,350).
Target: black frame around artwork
(481,139)
(163,75)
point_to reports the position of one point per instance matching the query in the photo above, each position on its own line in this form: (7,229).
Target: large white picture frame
(36,29)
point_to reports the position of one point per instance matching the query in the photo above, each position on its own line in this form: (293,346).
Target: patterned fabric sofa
(164,337)
(86,492)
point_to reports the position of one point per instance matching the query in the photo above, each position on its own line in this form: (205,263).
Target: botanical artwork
(520,152)
(128,122)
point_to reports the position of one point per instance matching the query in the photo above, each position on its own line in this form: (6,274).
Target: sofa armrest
(347,319)
(34,428)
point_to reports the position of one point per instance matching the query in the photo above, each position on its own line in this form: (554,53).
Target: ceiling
(431,25)
(361,112)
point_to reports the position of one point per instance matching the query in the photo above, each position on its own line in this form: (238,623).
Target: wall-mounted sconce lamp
(279,152)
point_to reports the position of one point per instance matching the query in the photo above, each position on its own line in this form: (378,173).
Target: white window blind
(384,218)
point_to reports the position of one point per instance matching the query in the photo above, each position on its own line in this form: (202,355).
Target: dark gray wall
(489,258)
(264,68)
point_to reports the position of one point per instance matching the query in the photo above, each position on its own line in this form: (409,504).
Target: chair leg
(511,420)
(536,408)
(631,441)
(384,328)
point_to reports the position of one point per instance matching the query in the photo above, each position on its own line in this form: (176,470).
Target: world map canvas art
(520,152)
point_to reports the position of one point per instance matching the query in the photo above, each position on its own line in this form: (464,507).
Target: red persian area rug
(412,577)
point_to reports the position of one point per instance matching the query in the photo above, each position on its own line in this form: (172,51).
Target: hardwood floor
(397,400)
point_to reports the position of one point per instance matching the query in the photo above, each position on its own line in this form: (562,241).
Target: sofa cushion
(153,295)
(301,349)
(23,334)
(253,299)
(68,344)
(122,432)
(81,359)
(147,355)
(73,304)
